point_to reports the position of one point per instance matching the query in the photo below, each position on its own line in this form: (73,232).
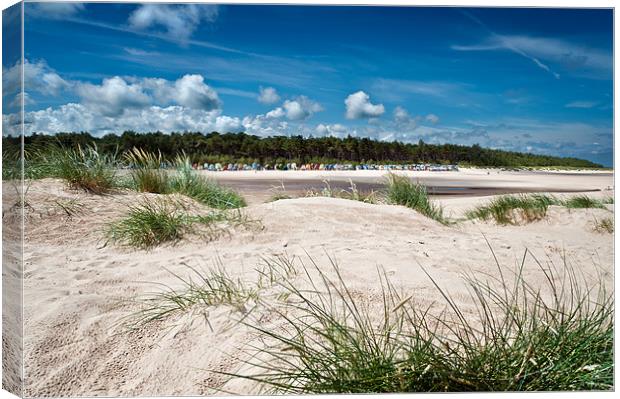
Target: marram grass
(402,191)
(208,192)
(512,209)
(152,222)
(518,338)
(83,168)
(146,173)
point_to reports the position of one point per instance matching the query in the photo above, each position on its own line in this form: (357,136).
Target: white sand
(76,288)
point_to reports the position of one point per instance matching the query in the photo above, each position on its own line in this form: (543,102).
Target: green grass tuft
(211,288)
(84,169)
(352,193)
(150,223)
(146,175)
(517,338)
(509,209)
(278,196)
(203,190)
(583,201)
(402,191)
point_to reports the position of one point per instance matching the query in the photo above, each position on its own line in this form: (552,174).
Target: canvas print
(229,199)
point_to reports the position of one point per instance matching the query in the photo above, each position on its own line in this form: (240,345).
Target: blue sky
(536,80)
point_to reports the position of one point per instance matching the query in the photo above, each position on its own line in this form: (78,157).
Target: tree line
(244,148)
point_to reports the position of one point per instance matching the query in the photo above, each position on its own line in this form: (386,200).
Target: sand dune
(78,290)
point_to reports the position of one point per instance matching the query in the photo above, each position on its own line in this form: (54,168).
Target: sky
(534,80)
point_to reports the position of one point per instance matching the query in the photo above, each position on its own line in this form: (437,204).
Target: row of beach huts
(218,167)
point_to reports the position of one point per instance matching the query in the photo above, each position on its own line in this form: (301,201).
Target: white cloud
(275,113)
(336,130)
(81,117)
(192,92)
(581,104)
(301,108)
(432,118)
(117,94)
(178,21)
(401,114)
(261,125)
(403,121)
(38,77)
(359,106)
(113,97)
(53,10)
(268,95)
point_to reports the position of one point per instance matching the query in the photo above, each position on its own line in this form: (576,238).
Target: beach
(259,185)
(79,290)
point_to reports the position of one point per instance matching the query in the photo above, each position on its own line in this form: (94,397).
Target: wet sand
(258,187)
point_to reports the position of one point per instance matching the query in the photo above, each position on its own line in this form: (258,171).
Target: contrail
(501,40)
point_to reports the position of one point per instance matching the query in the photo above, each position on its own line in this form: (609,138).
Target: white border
(462,3)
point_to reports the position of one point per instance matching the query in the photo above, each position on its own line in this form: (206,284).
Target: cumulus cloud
(38,77)
(275,113)
(335,130)
(401,114)
(432,118)
(113,96)
(82,117)
(268,95)
(358,106)
(177,21)
(191,91)
(117,94)
(262,125)
(301,108)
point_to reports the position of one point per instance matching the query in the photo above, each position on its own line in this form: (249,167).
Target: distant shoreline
(258,186)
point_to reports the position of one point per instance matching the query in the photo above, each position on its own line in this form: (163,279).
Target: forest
(245,148)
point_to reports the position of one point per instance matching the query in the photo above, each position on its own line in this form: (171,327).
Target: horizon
(514,79)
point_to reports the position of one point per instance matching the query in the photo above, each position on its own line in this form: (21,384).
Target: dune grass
(278,196)
(84,168)
(583,201)
(605,225)
(152,222)
(208,192)
(146,175)
(212,287)
(402,191)
(517,339)
(510,209)
(352,193)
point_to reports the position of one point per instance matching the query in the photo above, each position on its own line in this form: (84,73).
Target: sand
(79,290)
(260,185)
